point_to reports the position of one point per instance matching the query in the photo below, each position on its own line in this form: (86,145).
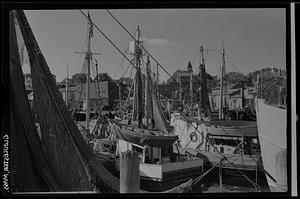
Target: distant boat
(237,140)
(271,123)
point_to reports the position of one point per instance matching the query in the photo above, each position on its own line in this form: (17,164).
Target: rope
(196,180)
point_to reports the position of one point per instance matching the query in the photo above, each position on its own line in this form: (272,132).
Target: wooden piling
(220,176)
(281,171)
(256,188)
(129,172)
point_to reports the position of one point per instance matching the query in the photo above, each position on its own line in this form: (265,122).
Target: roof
(70,89)
(189,67)
(232,128)
(229,86)
(226,92)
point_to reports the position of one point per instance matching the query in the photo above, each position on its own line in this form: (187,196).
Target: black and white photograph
(190,100)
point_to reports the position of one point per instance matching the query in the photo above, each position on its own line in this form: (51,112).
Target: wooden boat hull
(179,171)
(271,122)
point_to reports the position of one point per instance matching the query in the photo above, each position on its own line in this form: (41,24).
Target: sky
(253,38)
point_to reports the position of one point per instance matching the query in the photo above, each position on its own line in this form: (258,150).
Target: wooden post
(256,189)
(160,159)
(243,151)
(220,175)
(281,171)
(129,172)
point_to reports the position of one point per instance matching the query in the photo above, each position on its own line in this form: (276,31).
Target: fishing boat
(60,159)
(211,138)
(146,133)
(272,126)
(158,162)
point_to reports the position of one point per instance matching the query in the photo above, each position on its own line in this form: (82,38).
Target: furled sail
(158,119)
(69,155)
(138,96)
(148,97)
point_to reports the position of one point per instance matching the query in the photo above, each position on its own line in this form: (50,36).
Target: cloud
(157,42)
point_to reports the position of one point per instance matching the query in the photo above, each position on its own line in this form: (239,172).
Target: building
(71,94)
(184,85)
(104,95)
(235,97)
(271,85)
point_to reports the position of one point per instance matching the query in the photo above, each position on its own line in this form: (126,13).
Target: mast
(180,92)
(67,79)
(120,97)
(90,32)
(147,93)
(191,86)
(138,96)
(221,84)
(202,79)
(204,93)
(157,84)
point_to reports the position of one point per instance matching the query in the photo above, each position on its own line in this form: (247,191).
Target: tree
(234,77)
(102,77)
(126,80)
(213,82)
(79,78)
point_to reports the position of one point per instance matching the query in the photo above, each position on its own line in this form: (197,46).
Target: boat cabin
(160,163)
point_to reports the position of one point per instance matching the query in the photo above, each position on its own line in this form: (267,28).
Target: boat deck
(243,162)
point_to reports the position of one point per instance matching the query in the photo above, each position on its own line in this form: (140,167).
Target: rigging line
(196,180)
(80,58)
(108,39)
(226,54)
(121,64)
(141,46)
(126,70)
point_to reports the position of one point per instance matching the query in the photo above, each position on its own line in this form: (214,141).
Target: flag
(131,47)
(91,27)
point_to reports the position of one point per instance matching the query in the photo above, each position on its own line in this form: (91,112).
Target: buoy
(194,136)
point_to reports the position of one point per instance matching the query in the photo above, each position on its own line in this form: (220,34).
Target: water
(232,182)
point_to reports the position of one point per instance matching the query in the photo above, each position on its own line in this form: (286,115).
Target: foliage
(234,77)
(102,77)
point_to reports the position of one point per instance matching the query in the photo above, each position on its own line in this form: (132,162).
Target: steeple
(190,67)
